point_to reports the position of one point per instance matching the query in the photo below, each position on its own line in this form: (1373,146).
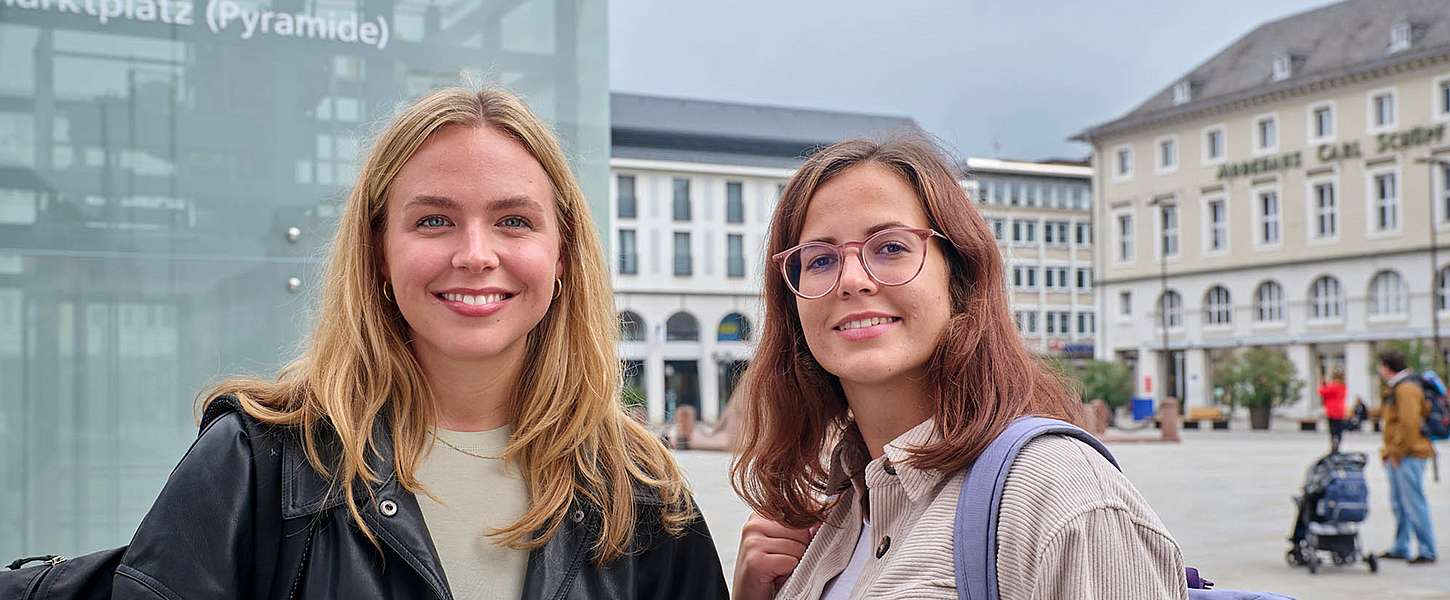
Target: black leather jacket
(245,516)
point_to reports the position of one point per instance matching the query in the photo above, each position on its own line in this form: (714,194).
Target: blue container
(1142,407)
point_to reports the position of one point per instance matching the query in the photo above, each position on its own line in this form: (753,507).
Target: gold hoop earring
(387,286)
(558,287)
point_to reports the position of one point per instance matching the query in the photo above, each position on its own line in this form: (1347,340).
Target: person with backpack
(1405,452)
(888,364)
(452,428)
(1332,394)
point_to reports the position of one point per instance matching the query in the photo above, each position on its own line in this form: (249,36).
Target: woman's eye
(821,262)
(515,222)
(433,222)
(892,248)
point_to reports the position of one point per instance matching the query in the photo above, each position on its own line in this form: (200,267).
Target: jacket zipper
(306,552)
(40,579)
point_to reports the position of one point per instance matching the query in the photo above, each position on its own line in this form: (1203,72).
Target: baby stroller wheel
(1374,563)
(1313,563)
(1293,558)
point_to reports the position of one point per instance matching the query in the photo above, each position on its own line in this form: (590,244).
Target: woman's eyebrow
(877,228)
(516,202)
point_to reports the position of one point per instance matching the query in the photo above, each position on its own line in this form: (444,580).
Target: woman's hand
(769,552)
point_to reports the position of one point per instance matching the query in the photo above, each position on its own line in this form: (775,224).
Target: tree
(1110,382)
(1260,379)
(1419,356)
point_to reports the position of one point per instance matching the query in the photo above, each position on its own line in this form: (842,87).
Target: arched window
(1170,306)
(1218,306)
(682,327)
(733,328)
(1326,299)
(1387,295)
(1269,302)
(631,327)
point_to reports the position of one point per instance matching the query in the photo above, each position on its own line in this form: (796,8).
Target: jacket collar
(1401,376)
(853,468)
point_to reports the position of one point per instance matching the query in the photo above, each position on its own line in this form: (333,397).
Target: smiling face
(863,332)
(471,244)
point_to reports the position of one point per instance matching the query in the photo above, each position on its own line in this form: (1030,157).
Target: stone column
(654,376)
(1198,386)
(1359,374)
(1304,369)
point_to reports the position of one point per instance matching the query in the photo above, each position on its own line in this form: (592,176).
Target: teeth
(474,300)
(863,323)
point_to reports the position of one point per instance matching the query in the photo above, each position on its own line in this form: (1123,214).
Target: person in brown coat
(1405,451)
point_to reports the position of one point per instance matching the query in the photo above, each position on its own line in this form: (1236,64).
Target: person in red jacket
(1332,393)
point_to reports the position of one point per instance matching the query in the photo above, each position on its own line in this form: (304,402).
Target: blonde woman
(452,429)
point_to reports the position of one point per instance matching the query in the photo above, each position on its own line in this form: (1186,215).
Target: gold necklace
(473,454)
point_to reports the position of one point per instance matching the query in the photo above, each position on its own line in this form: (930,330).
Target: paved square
(1226,498)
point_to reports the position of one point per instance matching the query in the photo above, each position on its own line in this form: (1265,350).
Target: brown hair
(981,376)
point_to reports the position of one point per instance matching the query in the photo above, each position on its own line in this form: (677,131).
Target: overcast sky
(1027,74)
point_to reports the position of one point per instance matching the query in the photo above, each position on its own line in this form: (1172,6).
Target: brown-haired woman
(887,333)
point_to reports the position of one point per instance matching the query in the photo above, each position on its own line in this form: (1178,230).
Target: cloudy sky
(1010,78)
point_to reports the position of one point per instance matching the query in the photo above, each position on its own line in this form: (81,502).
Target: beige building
(1277,195)
(1041,215)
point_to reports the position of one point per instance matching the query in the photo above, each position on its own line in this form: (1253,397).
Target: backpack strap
(974,533)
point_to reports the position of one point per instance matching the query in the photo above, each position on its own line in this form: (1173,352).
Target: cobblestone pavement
(1225,495)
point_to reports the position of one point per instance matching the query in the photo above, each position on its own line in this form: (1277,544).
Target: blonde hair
(571,437)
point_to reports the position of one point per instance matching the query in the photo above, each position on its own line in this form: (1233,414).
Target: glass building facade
(170,174)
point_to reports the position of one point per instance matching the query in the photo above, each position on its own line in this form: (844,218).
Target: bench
(1308,424)
(1217,418)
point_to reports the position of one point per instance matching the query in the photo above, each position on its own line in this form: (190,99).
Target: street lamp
(1161,204)
(1432,162)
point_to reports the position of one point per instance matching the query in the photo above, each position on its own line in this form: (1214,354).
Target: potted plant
(1260,379)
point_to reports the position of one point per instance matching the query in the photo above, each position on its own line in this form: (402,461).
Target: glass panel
(150,173)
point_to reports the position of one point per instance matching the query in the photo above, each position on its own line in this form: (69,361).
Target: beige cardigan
(1070,526)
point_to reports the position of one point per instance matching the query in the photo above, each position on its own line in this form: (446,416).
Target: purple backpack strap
(974,534)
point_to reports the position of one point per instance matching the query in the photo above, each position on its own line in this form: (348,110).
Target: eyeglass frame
(840,250)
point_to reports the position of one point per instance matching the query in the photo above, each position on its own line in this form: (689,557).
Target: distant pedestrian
(1405,451)
(1361,414)
(1331,393)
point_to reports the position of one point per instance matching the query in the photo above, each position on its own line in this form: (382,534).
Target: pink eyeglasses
(891,257)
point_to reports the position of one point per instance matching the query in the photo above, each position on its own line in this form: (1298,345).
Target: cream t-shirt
(472,496)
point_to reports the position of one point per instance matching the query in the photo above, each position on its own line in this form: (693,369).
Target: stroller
(1332,504)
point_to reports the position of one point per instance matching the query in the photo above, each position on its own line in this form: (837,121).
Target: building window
(1400,37)
(1326,210)
(734,255)
(1167,154)
(1084,234)
(631,327)
(1051,323)
(1266,134)
(1444,192)
(1218,306)
(1269,303)
(684,263)
(1322,123)
(1326,299)
(1086,324)
(1283,67)
(1054,233)
(1217,221)
(1382,111)
(1056,277)
(1443,289)
(1182,92)
(682,327)
(733,328)
(1125,238)
(1170,309)
(1268,212)
(1032,322)
(628,255)
(1024,232)
(1125,304)
(1213,144)
(627,205)
(734,202)
(1442,97)
(681,199)
(1168,243)
(1387,295)
(999,229)
(1085,278)
(1385,193)
(1124,156)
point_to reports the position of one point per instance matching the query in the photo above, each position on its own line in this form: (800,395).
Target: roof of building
(1341,40)
(976,166)
(708,131)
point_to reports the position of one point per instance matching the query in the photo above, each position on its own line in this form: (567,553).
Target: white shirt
(840,588)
